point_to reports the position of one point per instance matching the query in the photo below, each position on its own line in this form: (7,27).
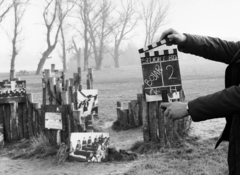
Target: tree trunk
(64,55)
(40,65)
(116,57)
(99,64)
(43,59)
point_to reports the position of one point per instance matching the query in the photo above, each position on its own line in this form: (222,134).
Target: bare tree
(5,6)
(51,19)
(153,16)
(19,7)
(85,10)
(75,50)
(99,28)
(63,55)
(125,23)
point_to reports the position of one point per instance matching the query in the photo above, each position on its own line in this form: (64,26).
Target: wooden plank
(119,108)
(70,94)
(161,126)
(30,114)
(125,117)
(20,121)
(25,121)
(64,97)
(89,123)
(44,91)
(135,112)
(78,120)
(90,78)
(153,121)
(63,81)
(7,130)
(80,78)
(52,68)
(145,120)
(139,99)
(40,129)
(67,84)
(71,81)
(1,114)
(13,100)
(52,87)
(36,106)
(47,75)
(58,92)
(130,114)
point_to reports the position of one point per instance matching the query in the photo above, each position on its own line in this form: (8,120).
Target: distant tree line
(88,24)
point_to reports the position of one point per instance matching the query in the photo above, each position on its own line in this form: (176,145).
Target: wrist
(183,39)
(187,109)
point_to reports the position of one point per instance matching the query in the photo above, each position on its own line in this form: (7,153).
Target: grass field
(196,156)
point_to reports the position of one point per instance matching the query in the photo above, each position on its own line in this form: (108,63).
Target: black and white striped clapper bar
(160,71)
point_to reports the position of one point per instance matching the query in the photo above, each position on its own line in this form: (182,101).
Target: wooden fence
(149,115)
(22,118)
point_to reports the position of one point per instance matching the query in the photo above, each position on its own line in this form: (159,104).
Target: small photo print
(89,147)
(87,102)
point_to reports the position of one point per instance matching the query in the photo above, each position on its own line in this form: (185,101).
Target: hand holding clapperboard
(160,72)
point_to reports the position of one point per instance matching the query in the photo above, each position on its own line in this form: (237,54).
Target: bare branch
(4,9)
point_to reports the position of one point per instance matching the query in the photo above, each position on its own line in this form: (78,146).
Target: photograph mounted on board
(10,89)
(87,102)
(89,147)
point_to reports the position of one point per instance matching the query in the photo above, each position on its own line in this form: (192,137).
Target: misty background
(217,18)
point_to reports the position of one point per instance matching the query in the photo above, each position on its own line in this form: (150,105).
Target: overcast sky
(218,18)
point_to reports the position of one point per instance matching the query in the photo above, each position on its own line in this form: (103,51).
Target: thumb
(164,105)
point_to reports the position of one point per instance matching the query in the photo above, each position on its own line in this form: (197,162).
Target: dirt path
(121,140)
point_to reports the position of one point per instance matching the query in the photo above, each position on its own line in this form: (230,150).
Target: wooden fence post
(145,118)
(130,114)
(90,78)
(30,113)
(119,108)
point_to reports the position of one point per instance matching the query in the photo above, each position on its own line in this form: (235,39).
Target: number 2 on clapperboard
(171,76)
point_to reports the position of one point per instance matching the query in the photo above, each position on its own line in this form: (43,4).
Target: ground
(198,156)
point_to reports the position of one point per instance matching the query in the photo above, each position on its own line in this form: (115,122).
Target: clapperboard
(160,72)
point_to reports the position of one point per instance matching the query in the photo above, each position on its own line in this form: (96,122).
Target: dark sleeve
(219,104)
(210,48)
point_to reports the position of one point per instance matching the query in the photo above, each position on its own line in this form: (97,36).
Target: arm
(219,104)
(210,48)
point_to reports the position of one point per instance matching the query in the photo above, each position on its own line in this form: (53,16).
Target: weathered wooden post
(162,83)
(90,78)
(30,114)
(119,108)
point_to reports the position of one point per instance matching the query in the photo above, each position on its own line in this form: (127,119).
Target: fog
(213,18)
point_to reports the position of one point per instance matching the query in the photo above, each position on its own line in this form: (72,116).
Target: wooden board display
(160,72)
(53,120)
(54,117)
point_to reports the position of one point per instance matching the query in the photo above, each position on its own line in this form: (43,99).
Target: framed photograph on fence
(10,89)
(89,147)
(87,102)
